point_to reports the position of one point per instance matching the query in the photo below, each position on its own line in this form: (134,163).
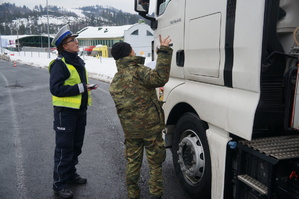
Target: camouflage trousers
(155,153)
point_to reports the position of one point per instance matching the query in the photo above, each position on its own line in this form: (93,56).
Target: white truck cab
(231,100)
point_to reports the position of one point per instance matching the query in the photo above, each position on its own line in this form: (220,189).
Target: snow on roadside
(102,68)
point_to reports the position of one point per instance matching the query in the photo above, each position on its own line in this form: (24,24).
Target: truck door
(203,38)
(170,16)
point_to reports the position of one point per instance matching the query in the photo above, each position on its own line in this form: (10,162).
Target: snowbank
(102,68)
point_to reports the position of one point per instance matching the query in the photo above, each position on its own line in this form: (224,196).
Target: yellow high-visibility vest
(71,101)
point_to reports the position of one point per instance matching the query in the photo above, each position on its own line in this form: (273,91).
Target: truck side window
(162,6)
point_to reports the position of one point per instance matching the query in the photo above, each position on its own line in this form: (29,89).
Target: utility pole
(18,42)
(48,30)
(1,43)
(41,38)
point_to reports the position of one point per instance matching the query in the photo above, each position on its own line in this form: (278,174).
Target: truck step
(254,184)
(281,148)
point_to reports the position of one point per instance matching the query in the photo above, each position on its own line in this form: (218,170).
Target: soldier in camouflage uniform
(140,112)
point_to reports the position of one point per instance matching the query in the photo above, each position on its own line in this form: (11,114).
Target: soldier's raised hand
(164,42)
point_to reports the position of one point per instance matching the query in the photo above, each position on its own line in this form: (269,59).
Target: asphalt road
(27,142)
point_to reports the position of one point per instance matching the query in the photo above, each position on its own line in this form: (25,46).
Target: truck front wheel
(191,156)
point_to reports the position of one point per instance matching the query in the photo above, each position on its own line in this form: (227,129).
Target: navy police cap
(63,33)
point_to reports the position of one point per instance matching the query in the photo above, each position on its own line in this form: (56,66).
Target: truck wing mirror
(142,7)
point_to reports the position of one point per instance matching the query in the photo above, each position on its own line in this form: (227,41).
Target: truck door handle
(180,58)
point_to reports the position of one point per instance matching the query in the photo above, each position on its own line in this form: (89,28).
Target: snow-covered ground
(98,68)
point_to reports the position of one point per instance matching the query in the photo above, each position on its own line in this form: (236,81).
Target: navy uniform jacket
(59,73)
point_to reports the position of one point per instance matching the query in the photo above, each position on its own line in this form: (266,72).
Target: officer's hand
(91,86)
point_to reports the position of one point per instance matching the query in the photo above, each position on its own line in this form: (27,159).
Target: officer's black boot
(64,193)
(156,197)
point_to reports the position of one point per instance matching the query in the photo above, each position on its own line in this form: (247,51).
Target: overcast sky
(124,5)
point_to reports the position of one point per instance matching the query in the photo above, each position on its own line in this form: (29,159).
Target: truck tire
(191,156)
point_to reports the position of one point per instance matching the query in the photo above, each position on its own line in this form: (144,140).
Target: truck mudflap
(268,168)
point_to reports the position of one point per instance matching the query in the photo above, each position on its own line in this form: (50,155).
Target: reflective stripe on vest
(71,101)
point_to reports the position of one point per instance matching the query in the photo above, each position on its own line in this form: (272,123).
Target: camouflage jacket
(133,90)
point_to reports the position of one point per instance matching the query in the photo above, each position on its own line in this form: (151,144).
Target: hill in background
(22,20)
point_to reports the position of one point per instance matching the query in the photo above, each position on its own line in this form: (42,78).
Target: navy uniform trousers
(69,125)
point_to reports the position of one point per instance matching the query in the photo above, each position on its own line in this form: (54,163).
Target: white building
(9,41)
(139,35)
(12,42)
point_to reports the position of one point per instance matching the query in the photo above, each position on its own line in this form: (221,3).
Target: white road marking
(19,154)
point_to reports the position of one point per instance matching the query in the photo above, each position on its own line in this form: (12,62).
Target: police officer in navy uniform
(70,97)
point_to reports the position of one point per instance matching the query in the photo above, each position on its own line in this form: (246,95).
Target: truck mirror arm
(154,23)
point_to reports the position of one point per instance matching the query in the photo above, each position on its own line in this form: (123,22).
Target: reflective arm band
(81,88)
